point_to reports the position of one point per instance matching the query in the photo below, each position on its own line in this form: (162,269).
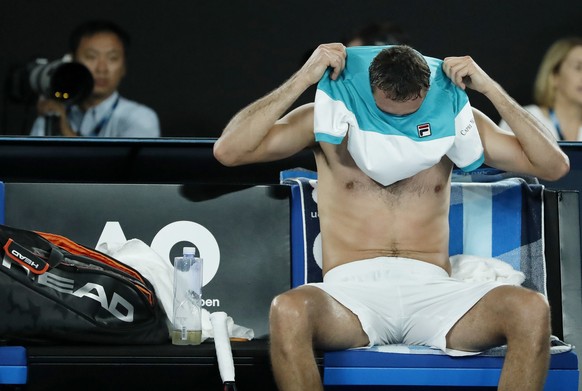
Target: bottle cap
(189,251)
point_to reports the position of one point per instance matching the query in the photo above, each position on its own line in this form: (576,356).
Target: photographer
(102,47)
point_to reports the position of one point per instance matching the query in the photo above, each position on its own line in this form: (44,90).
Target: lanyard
(556,124)
(95,132)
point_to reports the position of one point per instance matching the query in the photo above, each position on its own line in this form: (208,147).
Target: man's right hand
(262,132)
(46,106)
(326,55)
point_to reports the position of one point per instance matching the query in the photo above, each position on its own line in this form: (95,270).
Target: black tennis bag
(54,289)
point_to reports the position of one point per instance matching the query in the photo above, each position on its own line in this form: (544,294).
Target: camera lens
(69,82)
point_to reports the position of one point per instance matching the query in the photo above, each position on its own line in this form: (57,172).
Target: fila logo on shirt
(423,130)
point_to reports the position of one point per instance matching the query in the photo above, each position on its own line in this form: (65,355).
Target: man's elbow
(559,170)
(564,168)
(223,155)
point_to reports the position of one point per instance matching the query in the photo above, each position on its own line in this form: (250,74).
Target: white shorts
(400,300)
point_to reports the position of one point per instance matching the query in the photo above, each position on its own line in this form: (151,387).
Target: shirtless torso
(361,219)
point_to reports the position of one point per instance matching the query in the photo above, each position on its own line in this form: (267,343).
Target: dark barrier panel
(242,233)
(130,161)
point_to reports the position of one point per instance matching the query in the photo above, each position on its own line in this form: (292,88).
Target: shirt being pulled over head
(391,146)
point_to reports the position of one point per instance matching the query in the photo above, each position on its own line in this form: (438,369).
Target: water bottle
(187,318)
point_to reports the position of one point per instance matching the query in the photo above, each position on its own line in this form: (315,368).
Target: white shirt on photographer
(114,117)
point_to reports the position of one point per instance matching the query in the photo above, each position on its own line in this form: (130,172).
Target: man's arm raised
(531,149)
(258,133)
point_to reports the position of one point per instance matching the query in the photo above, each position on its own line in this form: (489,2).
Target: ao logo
(168,236)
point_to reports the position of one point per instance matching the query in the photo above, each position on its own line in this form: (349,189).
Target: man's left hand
(465,72)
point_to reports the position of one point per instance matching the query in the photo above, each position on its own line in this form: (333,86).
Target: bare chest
(338,172)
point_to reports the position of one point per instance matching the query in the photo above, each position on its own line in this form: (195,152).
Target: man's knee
(284,305)
(529,312)
(289,310)
(533,306)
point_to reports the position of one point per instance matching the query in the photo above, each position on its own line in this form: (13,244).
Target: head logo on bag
(24,257)
(118,307)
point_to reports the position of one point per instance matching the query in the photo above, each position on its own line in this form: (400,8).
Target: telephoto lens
(63,80)
(69,82)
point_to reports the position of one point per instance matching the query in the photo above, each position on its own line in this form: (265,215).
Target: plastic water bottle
(187,318)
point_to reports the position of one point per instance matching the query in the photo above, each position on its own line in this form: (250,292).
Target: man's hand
(465,72)
(52,107)
(326,55)
(48,106)
(531,149)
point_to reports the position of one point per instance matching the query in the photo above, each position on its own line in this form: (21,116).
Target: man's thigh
(334,326)
(484,325)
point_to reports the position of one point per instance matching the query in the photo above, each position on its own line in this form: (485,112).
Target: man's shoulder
(131,116)
(128,104)
(131,108)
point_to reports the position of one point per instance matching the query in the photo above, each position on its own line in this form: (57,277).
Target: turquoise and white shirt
(387,147)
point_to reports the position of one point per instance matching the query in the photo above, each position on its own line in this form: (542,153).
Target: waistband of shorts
(374,267)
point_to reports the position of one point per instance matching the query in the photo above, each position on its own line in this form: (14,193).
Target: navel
(350,185)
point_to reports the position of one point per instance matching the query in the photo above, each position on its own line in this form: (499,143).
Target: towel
(473,268)
(556,347)
(156,270)
(501,220)
(387,147)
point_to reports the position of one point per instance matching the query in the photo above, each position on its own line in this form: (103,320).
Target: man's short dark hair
(93,27)
(400,72)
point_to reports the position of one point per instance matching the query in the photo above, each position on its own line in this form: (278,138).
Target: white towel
(474,268)
(142,258)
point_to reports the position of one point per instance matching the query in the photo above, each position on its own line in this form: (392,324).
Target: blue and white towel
(556,346)
(388,147)
(501,220)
